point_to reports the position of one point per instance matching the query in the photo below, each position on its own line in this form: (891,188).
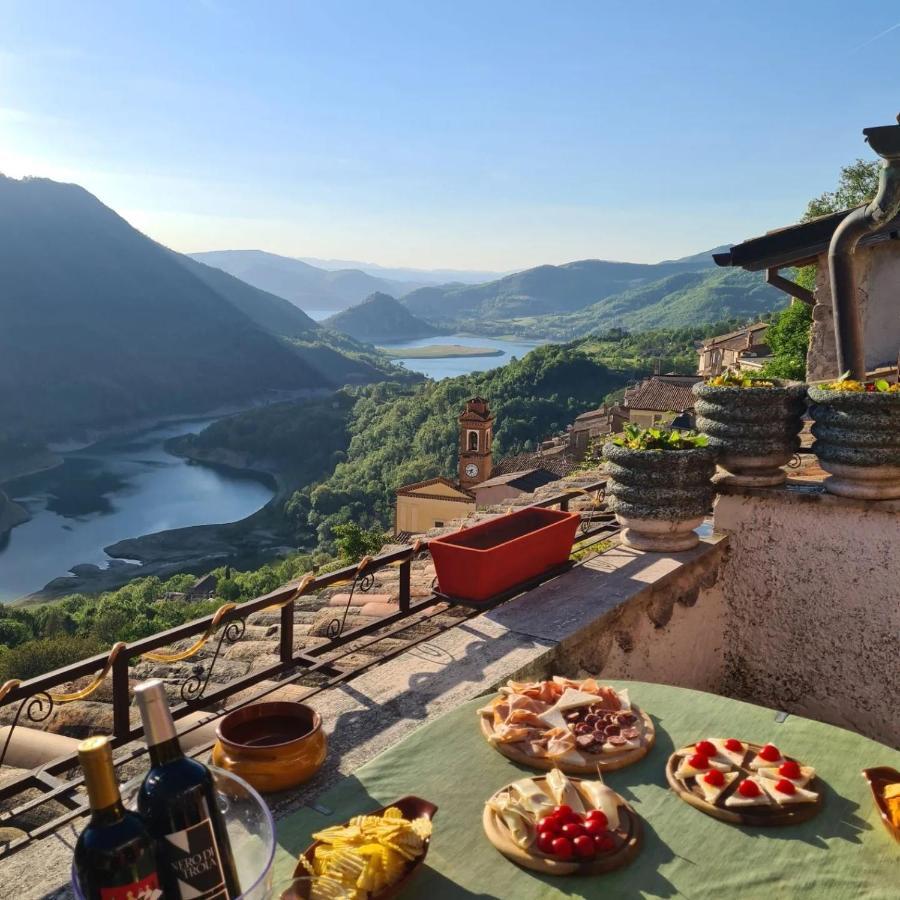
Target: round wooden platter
(792,814)
(604,762)
(628,835)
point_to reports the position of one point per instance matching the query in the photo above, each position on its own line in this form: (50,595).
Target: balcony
(789,601)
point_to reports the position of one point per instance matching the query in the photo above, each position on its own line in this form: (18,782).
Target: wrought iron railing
(35,699)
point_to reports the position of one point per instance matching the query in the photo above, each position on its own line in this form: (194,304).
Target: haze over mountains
(378,318)
(103,326)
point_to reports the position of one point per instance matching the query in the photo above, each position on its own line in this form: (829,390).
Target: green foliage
(737,378)
(635,438)
(37,657)
(788,339)
(353,542)
(380,318)
(858,184)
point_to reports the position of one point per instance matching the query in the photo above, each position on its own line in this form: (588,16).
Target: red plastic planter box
(481,562)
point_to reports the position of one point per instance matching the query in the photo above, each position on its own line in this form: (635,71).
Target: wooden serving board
(747,815)
(605,762)
(628,834)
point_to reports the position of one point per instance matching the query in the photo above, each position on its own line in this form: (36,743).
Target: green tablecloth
(844,852)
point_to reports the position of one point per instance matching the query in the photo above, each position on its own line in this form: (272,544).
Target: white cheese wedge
(807,773)
(738,799)
(624,699)
(686,770)
(572,699)
(620,748)
(711,791)
(554,718)
(736,757)
(605,799)
(563,791)
(800,795)
(759,763)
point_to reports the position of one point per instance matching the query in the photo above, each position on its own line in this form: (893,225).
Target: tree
(858,184)
(788,338)
(354,542)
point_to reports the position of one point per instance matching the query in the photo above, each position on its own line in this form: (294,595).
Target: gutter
(848,330)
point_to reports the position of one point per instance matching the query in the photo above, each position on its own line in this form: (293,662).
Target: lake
(461,365)
(119,488)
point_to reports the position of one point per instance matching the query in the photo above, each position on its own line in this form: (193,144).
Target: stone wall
(811,586)
(878,278)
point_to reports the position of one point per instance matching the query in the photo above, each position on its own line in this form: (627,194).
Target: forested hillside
(380,318)
(102,326)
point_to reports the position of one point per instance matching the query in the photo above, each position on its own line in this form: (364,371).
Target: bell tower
(476,438)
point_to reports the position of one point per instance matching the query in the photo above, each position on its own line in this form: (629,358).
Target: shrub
(45,654)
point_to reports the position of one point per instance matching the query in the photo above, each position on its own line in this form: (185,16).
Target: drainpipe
(885,141)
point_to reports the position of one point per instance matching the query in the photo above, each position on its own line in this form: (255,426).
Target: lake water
(120,488)
(462,365)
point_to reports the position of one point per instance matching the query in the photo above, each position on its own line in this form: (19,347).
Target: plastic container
(479,563)
(251,831)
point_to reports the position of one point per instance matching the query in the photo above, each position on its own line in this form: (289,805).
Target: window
(473,440)
(438,524)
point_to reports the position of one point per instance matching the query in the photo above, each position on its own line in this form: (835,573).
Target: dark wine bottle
(115,856)
(178,802)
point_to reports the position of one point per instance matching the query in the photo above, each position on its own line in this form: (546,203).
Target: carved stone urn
(755,429)
(659,496)
(858,442)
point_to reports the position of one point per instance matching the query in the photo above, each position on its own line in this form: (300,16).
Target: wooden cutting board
(605,762)
(628,836)
(688,790)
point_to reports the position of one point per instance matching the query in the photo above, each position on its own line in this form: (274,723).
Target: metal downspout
(848,332)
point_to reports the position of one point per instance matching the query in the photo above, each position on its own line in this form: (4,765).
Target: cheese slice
(800,795)
(572,699)
(554,718)
(711,791)
(603,798)
(620,748)
(759,763)
(807,773)
(738,799)
(735,757)
(563,791)
(686,770)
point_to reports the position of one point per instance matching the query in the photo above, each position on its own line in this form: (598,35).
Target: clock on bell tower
(476,435)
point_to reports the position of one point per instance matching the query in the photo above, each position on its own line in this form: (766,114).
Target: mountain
(380,318)
(304,285)
(543,290)
(102,326)
(405,274)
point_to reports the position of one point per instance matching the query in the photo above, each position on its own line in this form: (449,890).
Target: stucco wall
(811,588)
(497,494)
(418,514)
(878,278)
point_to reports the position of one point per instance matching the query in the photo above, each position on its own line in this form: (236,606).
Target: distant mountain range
(306,286)
(422,276)
(380,317)
(102,326)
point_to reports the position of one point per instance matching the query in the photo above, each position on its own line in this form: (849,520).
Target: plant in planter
(857,430)
(659,486)
(753,422)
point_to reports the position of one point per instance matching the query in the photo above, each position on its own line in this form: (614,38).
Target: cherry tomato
(584,846)
(594,827)
(604,843)
(597,815)
(545,842)
(549,823)
(562,848)
(707,748)
(573,829)
(699,761)
(563,811)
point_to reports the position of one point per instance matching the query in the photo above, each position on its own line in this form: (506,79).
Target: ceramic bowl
(879,778)
(272,745)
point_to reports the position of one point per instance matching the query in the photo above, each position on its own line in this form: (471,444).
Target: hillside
(306,286)
(380,318)
(544,290)
(102,326)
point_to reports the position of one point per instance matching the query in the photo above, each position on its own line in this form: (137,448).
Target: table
(845,852)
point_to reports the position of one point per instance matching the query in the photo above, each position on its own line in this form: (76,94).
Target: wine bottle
(178,802)
(115,856)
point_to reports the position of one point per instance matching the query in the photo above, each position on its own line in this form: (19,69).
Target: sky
(490,135)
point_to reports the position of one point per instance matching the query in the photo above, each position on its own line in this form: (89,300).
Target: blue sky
(470,134)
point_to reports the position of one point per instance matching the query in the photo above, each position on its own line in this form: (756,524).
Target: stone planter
(858,442)
(659,496)
(756,430)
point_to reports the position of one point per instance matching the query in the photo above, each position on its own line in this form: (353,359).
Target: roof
(559,464)
(796,245)
(477,410)
(527,481)
(206,583)
(413,489)
(663,393)
(740,335)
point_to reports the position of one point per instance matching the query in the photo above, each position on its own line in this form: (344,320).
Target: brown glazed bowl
(879,778)
(412,808)
(273,745)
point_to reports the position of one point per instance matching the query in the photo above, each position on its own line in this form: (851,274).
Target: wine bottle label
(145,889)
(193,857)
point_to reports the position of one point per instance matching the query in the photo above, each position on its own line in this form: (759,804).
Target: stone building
(648,403)
(877,263)
(430,504)
(511,486)
(745,348)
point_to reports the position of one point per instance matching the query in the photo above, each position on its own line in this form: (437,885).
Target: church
(437,501)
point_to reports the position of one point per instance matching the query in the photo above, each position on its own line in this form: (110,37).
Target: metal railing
(326,664)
